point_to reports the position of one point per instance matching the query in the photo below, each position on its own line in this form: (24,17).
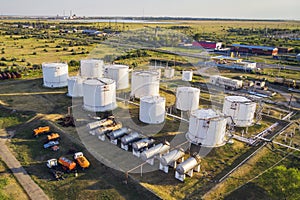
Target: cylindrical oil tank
(91,68)
(103,122)
(172,156)
(130,138)
(106,129)
(187,98)
(241,109)
(188,164)
(144,83)
(157,149)
(169,72)
(207,128)
(187,75)
(118,133)
(55,75)
(152,109)
(75,86)
(156,69)
(143,143)
(118,73)
(99,95)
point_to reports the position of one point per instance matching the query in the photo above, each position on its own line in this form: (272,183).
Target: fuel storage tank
(75,86)
(144,83)
(187,75)
(55,75)
(187,98)
(99,95)
(207,128)
(156,150)
(241,109)
(118,73)
(172,156)
(188,164)
(152,109)
(91,68)
(169,72)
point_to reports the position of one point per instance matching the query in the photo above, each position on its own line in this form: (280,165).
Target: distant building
(234,63)
(284,50)
(260,50)
(208,44)
(91,32)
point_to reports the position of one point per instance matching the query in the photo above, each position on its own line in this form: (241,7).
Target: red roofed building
(208,44)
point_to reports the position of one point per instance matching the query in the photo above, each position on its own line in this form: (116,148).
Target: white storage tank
(187,75)
(156,69)
(91,68)
(144,83)
(55,75)
(99,95)
(75,86)
(207,128)
(118,73)
(241,109)
(152,109)
(187,98)
(169,72)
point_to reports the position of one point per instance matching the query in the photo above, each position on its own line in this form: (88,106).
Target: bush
(73,63)
(34,53)
(3,64)
(36,66)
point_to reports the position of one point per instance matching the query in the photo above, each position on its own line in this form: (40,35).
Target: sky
(250,9)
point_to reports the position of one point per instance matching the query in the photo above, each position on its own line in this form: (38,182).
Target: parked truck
(81,160)
(41,130)
(53,137)
(67,164)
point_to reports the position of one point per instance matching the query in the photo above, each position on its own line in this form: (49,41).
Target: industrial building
(250,49)
(234,63)
(228,83)
(207,44)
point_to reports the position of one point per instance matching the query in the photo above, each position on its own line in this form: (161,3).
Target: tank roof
(117,66)
(54,64)
(188,89)
(205,114)
(74,78)
(91,60)
(146,73)
(152,99)
(99,81)
(238,99)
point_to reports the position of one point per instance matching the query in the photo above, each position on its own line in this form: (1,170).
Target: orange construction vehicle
(81,160)
(67,164)
(41,130)
(53,136)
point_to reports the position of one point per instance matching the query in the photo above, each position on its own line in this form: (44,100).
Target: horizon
(230,9)
(147,17)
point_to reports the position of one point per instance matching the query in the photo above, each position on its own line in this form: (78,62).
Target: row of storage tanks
(97,83)
(206,127)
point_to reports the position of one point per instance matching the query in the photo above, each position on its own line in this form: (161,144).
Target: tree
(282,183)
